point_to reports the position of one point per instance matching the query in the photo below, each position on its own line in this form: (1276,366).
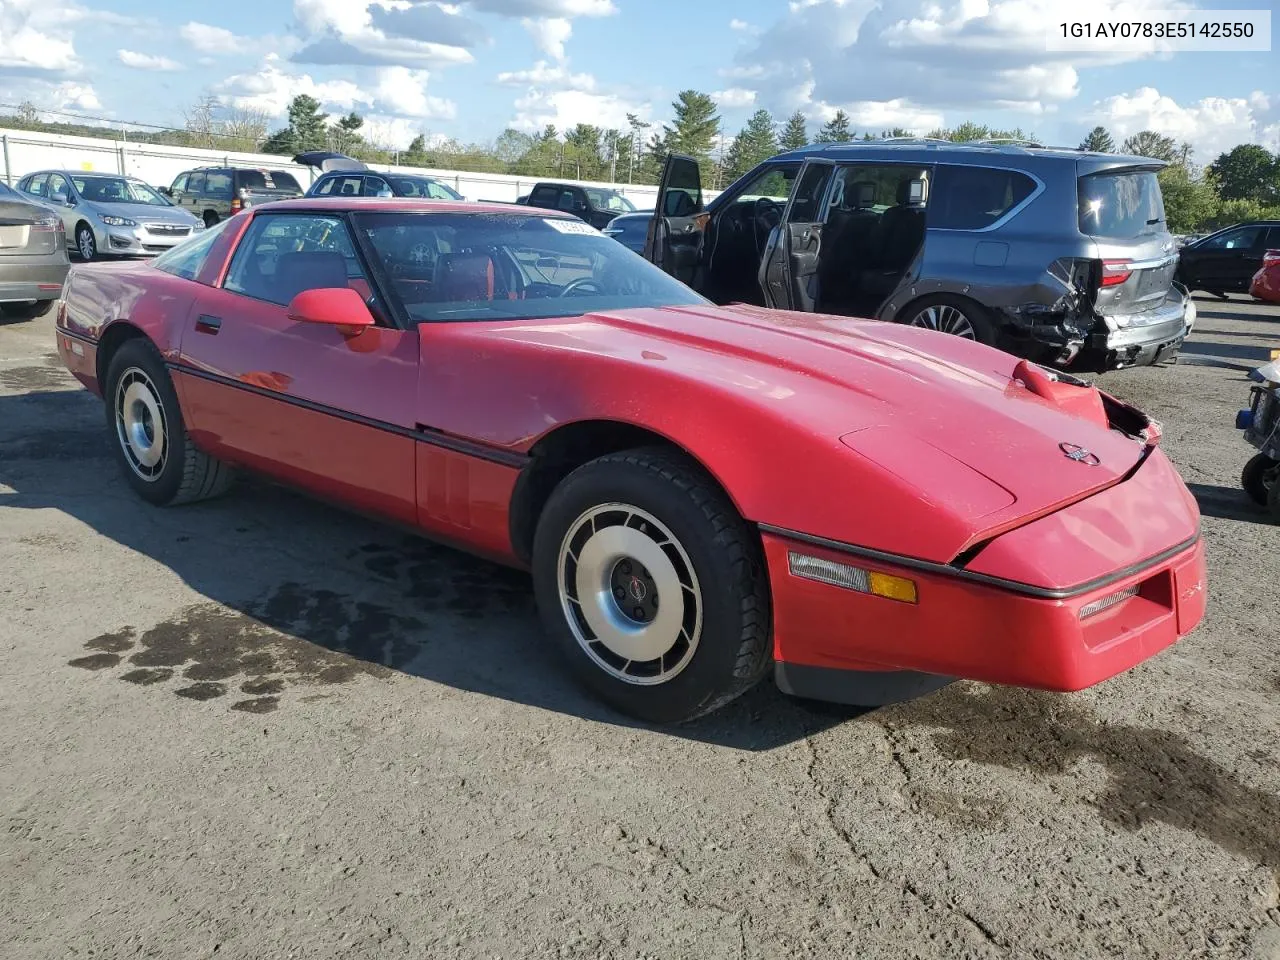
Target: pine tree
(756,142)
(694,129)
(794,134)
(307,123)
(1098,141)
(836,130)
(1149,143)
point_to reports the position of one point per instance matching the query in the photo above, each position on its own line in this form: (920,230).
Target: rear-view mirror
(339,307)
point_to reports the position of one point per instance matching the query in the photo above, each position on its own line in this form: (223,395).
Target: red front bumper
(1025,631)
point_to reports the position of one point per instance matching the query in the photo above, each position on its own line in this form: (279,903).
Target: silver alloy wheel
(140,424)
(87,245)
(629,594)
(945,318)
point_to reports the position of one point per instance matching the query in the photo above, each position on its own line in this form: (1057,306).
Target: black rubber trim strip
(958,573)
(422,433)
(76,336)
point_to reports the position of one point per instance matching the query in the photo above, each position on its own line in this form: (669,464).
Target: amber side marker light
(852,578)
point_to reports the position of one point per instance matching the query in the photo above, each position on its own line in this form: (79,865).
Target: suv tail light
(1115,272)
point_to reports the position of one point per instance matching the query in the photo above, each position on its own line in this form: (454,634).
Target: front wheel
(86,243)
(148,434)
(1259,477)
(652,586)
(953,315)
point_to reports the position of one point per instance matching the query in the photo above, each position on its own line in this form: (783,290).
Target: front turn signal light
(852,578)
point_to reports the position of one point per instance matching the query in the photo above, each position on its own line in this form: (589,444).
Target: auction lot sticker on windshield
(1157,31)
(573,226)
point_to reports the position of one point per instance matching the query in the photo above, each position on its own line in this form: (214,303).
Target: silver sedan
(110,214)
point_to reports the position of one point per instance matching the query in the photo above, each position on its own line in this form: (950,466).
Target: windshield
(495,266)
(608,200)
(118,190)
(424,187)
(1120,205)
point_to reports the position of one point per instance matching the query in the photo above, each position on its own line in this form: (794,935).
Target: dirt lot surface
(263,728)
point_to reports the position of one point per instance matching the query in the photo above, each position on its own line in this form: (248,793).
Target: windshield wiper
(1151,223)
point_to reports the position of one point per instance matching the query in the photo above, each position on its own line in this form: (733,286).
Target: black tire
(86,243)
(210,218)
(29,311)
(732,651)
(1254,478)
(183,474)
(933,313)
(1273,501)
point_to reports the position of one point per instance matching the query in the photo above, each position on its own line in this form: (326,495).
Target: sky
(469,69)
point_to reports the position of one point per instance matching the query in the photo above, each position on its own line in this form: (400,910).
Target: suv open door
(789,268)
(674,241)
(327,162)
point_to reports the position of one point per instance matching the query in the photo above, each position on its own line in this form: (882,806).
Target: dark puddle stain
(438,578)
(293,637)
(97,661)
(202,691)
(147,676)
(32,379)
(116,642)
(260,705)
(1154,774)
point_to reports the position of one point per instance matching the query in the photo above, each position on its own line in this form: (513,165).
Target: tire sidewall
(711,669)
(140,353)
(979,317)
(1251,479)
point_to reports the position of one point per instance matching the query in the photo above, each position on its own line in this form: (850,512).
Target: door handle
(208,324)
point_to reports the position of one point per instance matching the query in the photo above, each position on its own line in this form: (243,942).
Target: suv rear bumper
(1144,338)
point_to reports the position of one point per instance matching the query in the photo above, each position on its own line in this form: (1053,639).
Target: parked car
(33,255)
(107,214)
(596,205)
(215,193)
(1059,256)
(515,383)
(630,230)
(343,176)
(1265,285)
(1226,261)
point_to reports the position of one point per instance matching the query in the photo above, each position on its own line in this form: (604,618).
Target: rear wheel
(28,311)
(1259,479)
(148,434)
(652,586)
(953,315)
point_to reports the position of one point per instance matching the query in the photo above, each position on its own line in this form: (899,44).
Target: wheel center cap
(637,589)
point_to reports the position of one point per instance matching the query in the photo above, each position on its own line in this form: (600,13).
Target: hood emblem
(1073,451)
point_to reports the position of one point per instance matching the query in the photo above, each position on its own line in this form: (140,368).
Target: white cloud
(543,74)
(1211,125)
(403,92)
(210,39)
(925,56)
(344,32)
(270,89)
(734,97)
(34,36)
(550,34)
(390,133)
(80,96)
(567,108)
(144,61)
(546,8)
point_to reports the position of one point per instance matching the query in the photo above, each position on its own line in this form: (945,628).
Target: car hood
(141,212)
(945,417)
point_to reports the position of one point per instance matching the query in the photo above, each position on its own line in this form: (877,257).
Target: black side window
(196,185)
(284,254)
(809,193)
(543,197)
(1245,238)
(1273,239)
(970,198)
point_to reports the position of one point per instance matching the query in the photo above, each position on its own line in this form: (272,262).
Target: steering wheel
(765,215)
(573,286)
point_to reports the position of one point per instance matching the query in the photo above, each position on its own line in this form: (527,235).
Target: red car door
(306,403)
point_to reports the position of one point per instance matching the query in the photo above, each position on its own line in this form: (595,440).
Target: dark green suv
(215,193)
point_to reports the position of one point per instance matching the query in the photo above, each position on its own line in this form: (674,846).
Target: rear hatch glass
(267,181)
(1123,211)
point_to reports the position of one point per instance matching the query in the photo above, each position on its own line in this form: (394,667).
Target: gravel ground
(264,728)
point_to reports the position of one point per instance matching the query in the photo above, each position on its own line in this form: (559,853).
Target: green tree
(415,155)
(794,134)
(835,130)
(756,142)
(1098,140)
(307,123)
(693,130)
(1247,172)
(1149,143)
(583,152)
(511,145)
(1189,202)
(344,134)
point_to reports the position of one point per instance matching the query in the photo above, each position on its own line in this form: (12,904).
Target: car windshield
(608,200)
(118,190)
(1120,205)
(424,187)
(499,266)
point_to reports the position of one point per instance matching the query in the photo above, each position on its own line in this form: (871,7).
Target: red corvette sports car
(1266,282)
(701,493)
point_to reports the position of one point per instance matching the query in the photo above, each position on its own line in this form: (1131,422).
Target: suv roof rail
(911,140)
(1010,142)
